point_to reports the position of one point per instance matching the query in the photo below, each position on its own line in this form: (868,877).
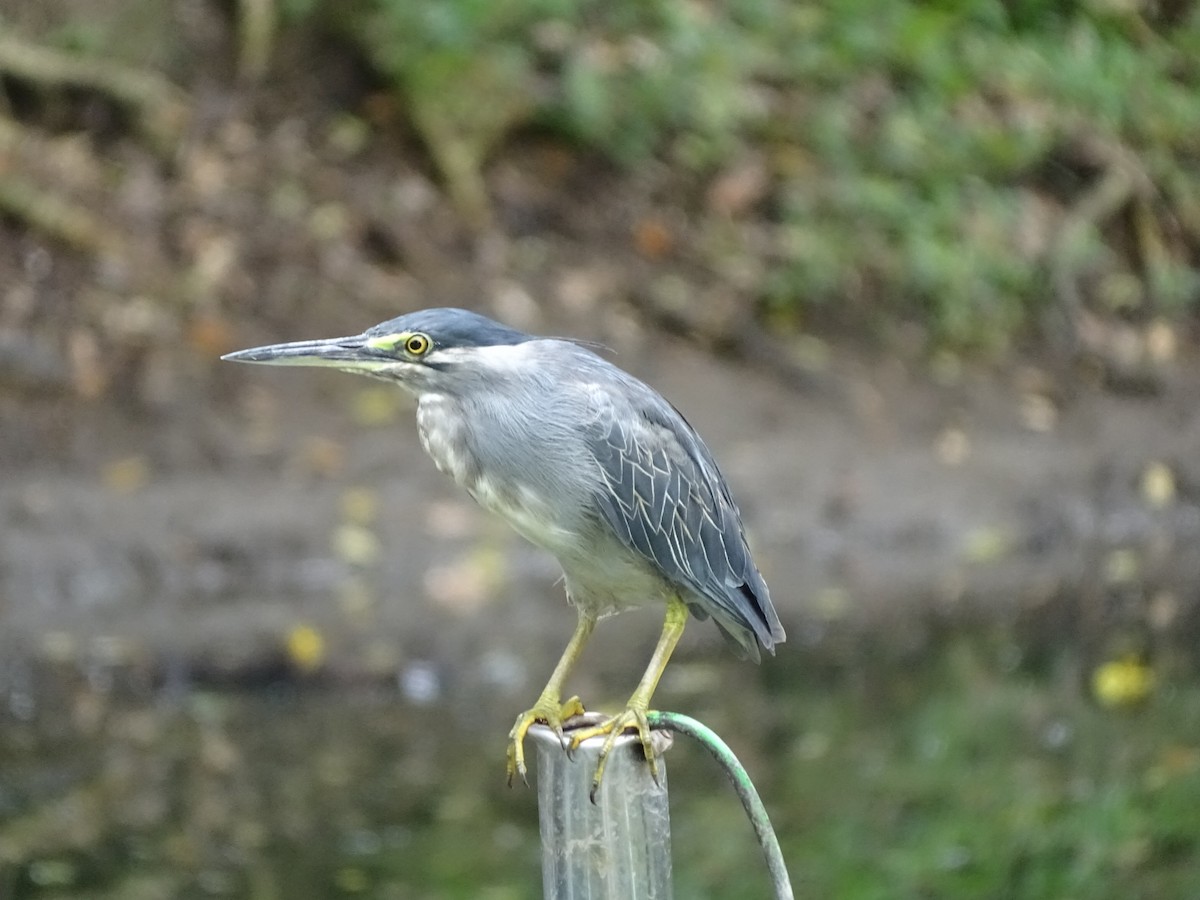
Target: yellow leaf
(1158,485)
(1122,682)
(305,648)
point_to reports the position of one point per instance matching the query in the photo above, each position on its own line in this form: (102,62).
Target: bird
(584,460)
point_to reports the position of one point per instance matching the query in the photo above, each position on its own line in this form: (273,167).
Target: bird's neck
(440,424)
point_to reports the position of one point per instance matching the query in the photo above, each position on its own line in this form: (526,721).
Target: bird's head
(441,350)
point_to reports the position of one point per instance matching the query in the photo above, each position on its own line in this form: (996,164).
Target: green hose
(740,778)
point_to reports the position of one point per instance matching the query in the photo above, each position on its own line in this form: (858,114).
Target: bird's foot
(549,710)
(632,719)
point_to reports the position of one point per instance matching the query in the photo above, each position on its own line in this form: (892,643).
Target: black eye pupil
(417,344)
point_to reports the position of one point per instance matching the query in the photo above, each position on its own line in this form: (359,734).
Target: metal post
(618,848)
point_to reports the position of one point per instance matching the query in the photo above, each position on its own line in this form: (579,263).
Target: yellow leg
(548,708)
(638,706)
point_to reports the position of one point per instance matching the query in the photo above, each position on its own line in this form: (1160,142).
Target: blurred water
(959,777)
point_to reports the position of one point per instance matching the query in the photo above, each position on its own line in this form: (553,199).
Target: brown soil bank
(154,501)
(888,511)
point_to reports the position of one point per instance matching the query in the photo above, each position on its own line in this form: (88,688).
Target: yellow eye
(416,345)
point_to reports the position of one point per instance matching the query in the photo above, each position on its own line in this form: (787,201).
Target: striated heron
(583,460)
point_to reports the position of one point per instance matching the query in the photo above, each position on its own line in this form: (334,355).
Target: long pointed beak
(340,353)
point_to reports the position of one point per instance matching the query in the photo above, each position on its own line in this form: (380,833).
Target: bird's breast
(445,437)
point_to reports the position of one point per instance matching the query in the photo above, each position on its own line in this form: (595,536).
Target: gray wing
(665,498)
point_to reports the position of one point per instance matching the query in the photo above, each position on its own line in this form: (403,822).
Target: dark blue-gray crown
(449,327)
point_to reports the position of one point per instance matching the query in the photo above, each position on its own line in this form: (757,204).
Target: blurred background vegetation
(985,173)
(979,168)
(975,167)
(857,198)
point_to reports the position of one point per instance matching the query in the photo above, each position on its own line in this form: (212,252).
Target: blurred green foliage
(928,161)
(958,779)
(945,146)
(963,772)
(625,78)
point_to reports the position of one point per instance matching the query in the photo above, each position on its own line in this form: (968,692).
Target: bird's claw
(634,719)
(549,711)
